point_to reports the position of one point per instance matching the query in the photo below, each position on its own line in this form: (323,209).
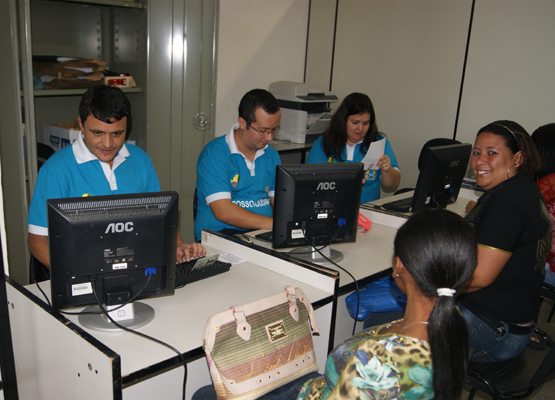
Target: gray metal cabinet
(168,48)
(113,31)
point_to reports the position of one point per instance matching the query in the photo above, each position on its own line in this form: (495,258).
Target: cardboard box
(60,135)
(120,81)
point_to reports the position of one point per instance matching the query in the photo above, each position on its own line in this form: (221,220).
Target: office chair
(518,377)
(548,292)
(37,271)
(425,153)
(44,152)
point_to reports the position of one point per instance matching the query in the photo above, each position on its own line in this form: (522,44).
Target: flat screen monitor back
(109,242)
(316,204)
(441,176)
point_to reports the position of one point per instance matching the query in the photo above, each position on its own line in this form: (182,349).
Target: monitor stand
(136,314)
(309,253)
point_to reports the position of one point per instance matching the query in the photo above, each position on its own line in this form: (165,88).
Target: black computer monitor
(120,247)
(316,205)
(441,174)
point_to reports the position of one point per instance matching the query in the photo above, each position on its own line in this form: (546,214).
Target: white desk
(53,360)
(56,358)
(465,195)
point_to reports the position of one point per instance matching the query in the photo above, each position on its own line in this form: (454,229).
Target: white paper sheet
(375,151)
(230,258)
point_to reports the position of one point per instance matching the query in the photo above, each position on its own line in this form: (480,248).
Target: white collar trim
(233,149)
(351,150)
(83,154)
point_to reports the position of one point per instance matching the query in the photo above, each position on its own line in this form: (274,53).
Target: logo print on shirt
(86,195)
(370,175)
(331,160)
(267,189)
(235,180)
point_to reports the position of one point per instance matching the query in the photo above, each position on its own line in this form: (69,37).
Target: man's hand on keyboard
(187,251)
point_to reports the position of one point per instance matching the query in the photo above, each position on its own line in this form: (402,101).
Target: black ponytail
(438,248)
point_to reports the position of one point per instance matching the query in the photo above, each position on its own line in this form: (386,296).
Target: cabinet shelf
(113,3)
(77,92)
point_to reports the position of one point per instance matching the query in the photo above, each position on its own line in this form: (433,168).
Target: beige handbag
(257,347)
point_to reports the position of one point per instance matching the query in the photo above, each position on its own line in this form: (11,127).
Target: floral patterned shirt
(374,366)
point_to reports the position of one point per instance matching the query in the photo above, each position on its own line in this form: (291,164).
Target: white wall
(407,55)
(511,66)
(259,42)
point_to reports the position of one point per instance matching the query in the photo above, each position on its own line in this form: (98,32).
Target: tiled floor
(547,390)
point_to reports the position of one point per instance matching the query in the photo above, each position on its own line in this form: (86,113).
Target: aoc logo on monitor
(326,186)
(119,227)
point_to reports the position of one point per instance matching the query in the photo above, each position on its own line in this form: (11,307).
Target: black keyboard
(185,272)
(265,236)
(402,205)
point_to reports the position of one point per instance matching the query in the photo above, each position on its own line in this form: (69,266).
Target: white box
(60,135)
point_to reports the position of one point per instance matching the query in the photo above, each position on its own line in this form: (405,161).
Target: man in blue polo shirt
(236,172)
(97,163)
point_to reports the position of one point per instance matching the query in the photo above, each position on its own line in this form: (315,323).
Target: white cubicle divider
(377,216)
(57,360)
(318,277)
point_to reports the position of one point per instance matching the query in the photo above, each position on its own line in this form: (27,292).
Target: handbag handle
(294,294)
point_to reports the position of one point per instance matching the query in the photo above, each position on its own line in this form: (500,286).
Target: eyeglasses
(266,131)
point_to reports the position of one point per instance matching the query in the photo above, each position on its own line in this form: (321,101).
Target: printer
(305,113)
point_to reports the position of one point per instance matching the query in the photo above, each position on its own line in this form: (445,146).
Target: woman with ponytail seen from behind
(424,355)
(435,254)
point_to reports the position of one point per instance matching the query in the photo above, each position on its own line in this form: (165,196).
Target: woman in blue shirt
(347,139)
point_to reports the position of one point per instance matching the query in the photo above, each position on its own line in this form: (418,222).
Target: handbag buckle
(243,327)
(293,307)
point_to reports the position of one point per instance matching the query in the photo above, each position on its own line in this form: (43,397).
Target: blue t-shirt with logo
(62,176)
(224,173)
(371,189)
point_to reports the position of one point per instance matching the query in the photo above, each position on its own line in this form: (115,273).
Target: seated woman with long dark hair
(435,254)
(502,303)
(351,131)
